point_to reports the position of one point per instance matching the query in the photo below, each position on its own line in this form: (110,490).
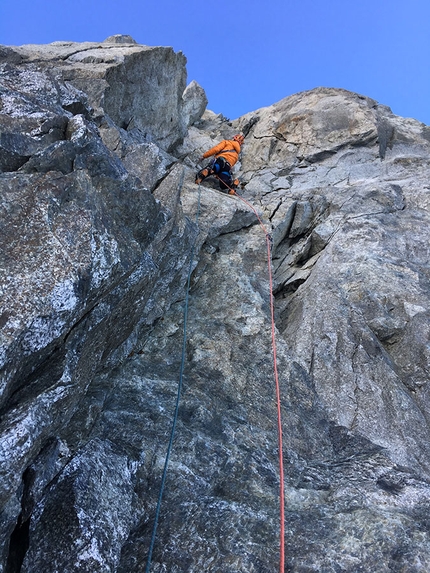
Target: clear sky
(248,54)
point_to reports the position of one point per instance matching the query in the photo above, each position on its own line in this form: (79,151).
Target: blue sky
(248,54)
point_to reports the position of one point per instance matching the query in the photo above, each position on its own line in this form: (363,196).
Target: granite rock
(101,224)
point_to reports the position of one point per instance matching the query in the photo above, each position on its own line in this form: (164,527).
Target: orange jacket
(231,153)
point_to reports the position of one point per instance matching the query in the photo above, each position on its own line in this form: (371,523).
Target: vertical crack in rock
(20,538)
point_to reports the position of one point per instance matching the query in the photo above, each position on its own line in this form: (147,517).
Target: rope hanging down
(278,393)
(181,374)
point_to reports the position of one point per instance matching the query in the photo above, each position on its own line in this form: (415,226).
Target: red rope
(278,393)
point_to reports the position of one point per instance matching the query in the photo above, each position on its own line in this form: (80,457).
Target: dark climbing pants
(221,168)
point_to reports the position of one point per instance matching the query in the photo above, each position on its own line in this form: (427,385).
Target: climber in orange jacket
(225,155)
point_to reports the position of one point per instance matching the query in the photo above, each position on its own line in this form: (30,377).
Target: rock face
(100,222)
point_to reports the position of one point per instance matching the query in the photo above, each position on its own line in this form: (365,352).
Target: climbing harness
(269,244)
(181,374)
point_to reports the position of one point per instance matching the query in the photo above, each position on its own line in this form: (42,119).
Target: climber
(225,155)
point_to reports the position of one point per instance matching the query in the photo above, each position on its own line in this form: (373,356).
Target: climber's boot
(233,186)
(202,174)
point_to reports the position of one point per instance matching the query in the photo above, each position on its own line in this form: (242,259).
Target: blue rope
(181,374)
